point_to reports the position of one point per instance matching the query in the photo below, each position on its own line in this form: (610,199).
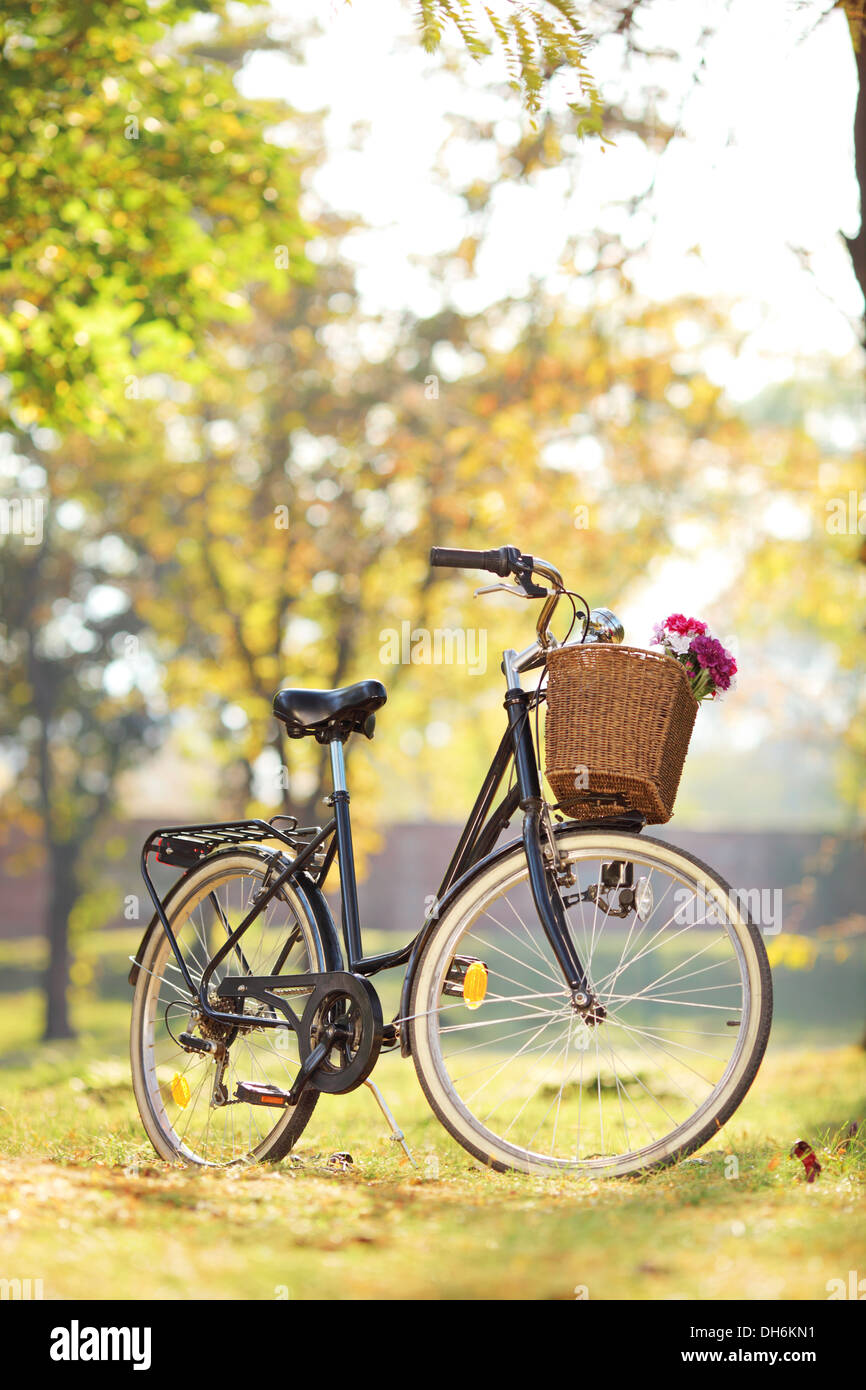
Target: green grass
(85,1206)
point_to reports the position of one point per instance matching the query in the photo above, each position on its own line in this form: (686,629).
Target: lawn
(86,1208)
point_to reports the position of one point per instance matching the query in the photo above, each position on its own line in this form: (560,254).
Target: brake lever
(500,588)
(523,575)
(530,589)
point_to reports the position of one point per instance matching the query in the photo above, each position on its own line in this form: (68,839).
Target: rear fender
(311,897)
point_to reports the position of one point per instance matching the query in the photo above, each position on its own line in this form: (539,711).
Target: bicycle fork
(545,895)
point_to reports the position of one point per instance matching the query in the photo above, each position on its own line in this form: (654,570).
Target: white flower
(679,642)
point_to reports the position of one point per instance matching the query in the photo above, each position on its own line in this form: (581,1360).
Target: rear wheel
(682,1015)
(186,1099)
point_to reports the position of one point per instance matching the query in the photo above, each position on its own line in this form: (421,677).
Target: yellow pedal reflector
(180,1090)
(475,984)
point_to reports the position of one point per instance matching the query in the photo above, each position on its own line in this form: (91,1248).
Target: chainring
(344,1009)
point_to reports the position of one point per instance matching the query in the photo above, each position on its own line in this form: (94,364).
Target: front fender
(629,821)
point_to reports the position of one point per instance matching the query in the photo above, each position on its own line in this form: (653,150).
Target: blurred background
(287,298)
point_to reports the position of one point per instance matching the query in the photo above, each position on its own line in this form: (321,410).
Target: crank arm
(305,1075)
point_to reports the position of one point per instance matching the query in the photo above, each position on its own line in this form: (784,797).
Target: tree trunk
(857,244)
(63,894)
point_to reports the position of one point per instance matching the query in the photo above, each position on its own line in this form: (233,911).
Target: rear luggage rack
(184,846)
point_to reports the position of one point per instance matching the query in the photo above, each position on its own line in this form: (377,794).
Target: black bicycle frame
(478,838)
(202,838)
(477,841)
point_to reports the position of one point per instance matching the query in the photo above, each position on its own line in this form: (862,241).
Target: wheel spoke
(647,1059)
(195,1130)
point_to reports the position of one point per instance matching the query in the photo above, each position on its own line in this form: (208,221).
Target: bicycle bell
(604,626)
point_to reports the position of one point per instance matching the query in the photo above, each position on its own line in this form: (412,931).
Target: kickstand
(396,1134)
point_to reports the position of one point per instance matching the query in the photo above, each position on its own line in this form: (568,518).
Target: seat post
(346,855)
(338,765)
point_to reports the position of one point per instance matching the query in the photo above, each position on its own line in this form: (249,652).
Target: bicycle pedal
(258,1093)
(191,1043)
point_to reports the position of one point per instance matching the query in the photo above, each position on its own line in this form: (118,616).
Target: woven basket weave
(619,721)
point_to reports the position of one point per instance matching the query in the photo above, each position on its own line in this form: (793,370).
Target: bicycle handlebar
(509,560)
(501,561)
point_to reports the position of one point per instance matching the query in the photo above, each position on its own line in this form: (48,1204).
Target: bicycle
(584,998)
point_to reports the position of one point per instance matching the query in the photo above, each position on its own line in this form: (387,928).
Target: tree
(309,500)
(142,201)
(543,39)
(140,198)
(856,13)
(66,622)
(808,585)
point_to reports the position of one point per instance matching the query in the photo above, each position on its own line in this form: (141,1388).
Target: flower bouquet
(710,668)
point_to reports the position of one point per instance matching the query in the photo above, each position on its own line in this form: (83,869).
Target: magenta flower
(718,663)
(709,667)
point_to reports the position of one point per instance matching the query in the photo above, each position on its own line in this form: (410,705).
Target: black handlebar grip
(499,562)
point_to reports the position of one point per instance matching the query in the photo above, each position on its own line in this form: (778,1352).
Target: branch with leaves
(537,39)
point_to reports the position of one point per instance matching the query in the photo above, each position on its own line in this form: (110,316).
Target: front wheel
(683,1003)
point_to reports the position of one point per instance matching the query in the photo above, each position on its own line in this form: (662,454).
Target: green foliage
(140,200)
(537,39)
(71,735)
(810,585)
(143,204)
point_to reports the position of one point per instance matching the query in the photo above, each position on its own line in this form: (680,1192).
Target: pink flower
(683,626)
(709,667)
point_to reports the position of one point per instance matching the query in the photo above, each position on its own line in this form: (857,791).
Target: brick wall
(823,877)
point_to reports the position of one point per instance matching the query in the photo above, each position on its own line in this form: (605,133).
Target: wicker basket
(619,721)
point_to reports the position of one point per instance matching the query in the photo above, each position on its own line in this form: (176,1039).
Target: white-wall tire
(221,869)
(488,885)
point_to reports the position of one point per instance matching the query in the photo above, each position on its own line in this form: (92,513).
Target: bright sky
(766,165)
